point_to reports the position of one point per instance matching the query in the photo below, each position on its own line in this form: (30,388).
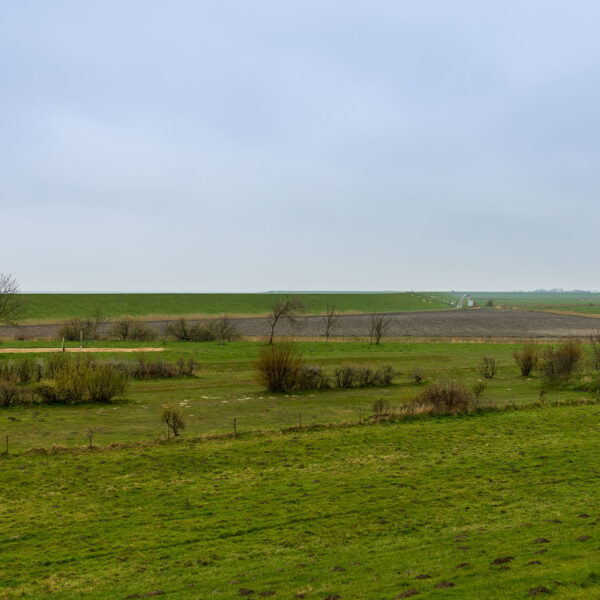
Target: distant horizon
(476,291)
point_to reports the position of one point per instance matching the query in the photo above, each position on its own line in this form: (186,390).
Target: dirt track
(446,323)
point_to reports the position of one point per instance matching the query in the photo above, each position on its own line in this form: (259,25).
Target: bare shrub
(560,363)
(348,376)
(180,330)
(488,367)
(277,366)
(365,377)
(185,368)
(446,397)
(173,418)
(311,377)
(526,359)
(378,328)
(345,376)
(9,394)
(417,375)
(384,375)
(381,407)
(478,389)
(226,329)
(75,328)
(202,331)
(127,328)
(155,369)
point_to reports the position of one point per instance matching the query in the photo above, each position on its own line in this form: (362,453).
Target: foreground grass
(40,307)
(361,512)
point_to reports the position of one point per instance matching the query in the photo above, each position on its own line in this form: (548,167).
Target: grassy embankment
(53,307)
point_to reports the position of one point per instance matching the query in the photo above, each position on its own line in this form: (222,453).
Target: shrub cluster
(558,364)
(349,376)
(526,359)
(446,397)
(127,328)
(221,329)
(75,328)
(155,369)
(280,368)
(77,381)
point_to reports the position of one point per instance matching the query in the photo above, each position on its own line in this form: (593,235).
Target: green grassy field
(576,302)
(225,388)
(361,512)
(336,509)
(46,307)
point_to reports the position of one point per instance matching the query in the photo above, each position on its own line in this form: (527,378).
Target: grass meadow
(493,504)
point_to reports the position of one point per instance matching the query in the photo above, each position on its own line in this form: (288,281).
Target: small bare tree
(379,325)
(331,321)
(287,308)
(10,301)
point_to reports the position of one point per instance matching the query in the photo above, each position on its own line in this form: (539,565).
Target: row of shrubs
(70,382)
(28,370)
(222,329)
(280,368)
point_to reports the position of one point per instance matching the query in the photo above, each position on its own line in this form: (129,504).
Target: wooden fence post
(234,426)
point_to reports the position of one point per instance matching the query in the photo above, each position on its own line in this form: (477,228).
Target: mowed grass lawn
(486,506)
(52,307)
(225,387)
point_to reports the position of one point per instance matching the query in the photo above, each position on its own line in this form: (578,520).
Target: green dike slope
(62,306)
(488,506)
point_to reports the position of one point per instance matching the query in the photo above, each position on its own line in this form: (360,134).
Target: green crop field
(47,307)
(489,505)
(576,302)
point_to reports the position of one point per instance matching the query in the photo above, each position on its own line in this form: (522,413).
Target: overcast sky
(315,145)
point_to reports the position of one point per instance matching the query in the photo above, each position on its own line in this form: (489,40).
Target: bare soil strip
(497,323)
(40,350)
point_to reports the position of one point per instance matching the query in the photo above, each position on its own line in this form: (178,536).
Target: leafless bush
(202,331)
(345,376)
(560,363)
(379,326)
(226,331)
(9,394)
(277,366)
(127,328)
(417,375)
(348,376)
(446,397)
(478,389)
(381,407)
(526,359)
(312,378)
(488,367)
(173,418)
